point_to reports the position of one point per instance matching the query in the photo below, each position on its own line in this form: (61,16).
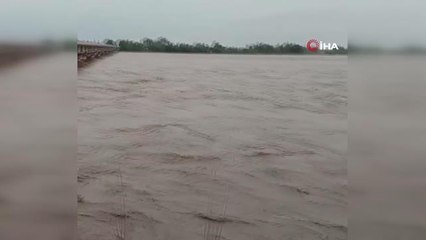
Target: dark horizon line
(162,44)
(199,42)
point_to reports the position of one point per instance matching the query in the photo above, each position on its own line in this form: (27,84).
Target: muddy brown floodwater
(209,147)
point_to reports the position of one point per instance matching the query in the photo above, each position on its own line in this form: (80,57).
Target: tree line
(162,44)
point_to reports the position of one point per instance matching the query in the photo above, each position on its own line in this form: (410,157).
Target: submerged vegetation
(164,45)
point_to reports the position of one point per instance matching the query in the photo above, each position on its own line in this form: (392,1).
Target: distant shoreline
(245,54)
(162,44)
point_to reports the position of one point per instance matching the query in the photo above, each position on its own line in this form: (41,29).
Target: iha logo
(314,45)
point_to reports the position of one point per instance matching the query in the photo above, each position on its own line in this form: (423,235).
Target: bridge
(88,51)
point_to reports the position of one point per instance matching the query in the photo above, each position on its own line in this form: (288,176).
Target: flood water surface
(186,147)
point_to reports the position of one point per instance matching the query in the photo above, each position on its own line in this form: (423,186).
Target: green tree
(109,42)
(162,44)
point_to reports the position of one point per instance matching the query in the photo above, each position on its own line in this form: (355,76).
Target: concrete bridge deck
(88,51)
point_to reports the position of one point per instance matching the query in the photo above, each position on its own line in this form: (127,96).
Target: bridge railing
(87,51)
(84,46)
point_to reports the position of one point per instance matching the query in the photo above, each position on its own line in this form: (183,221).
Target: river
(194,146)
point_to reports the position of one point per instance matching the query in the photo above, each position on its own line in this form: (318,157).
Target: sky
(386,23)
(35,20)
(230,22)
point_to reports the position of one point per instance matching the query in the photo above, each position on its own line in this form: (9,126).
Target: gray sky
(387,23)
(231,22)
(33,20)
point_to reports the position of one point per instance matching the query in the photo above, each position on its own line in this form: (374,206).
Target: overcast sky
(33,20)
(387,23)
(231,22)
